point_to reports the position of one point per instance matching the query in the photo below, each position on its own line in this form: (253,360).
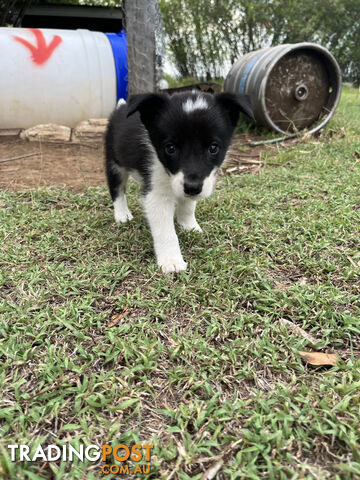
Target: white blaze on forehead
(191,104)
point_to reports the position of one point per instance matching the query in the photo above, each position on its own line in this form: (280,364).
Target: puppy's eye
(170,149)
(214,148)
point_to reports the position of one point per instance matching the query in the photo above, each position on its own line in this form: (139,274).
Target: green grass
(200,365)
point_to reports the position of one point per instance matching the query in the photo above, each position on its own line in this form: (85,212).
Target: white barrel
(55,76)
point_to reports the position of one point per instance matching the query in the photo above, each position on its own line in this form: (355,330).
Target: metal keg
(293,87)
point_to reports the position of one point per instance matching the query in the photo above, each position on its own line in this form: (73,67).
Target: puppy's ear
(234,104)
(147,104)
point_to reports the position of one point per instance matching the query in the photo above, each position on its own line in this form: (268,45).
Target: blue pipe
(119,48)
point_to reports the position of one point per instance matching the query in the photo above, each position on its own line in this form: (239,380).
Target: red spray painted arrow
(41,52)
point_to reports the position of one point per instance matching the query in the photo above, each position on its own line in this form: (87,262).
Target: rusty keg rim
(291,47)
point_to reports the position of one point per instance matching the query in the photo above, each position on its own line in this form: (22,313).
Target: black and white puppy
(174,145)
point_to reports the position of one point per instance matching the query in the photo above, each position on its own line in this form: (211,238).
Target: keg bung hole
(301,92)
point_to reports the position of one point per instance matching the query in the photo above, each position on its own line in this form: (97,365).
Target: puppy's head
(191,133)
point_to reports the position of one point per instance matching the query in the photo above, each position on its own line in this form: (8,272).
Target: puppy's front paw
(172,264)
(122,217)
(190,226)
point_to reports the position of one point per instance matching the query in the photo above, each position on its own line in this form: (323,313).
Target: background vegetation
(206,35)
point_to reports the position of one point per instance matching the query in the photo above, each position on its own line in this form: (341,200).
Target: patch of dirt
(79,166)
(71,166)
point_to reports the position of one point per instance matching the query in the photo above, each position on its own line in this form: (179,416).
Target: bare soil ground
(77,167)
(71,166)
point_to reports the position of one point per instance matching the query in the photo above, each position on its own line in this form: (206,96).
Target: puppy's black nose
(192,187)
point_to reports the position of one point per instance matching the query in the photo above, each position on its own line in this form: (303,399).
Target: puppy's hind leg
(185,214)
(117,178)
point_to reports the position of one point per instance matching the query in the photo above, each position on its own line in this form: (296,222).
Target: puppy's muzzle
(192,187)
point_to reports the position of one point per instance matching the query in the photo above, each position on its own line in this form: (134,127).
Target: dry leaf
(115,319)
(298,331)
(318,358)
(212,471)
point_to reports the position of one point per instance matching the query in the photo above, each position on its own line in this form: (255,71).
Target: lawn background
(198,363)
